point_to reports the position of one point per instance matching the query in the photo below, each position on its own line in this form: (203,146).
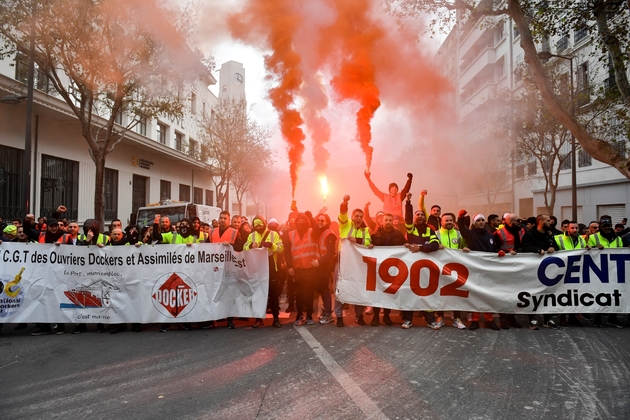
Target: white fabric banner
(119,284)
(582,281)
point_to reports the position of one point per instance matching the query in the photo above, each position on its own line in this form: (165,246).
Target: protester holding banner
(355,231)
(478,239)
(327,261)
(605,237)
(420,237)
(262,237)
(451,238)
(541,241)
(386,235)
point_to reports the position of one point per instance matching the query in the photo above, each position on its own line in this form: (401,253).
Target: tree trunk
(598,149)
(99,190)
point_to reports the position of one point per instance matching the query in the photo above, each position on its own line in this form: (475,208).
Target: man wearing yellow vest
(449,237)
(569,241)
(605,237)
(301,253)
(358,233)
(261,237)
(184,236)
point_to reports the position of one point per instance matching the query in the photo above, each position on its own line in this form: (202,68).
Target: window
(203,109)
(161,133)
(184,192)
(566,212)
(118,117)
(111,194)
(520,171)
(531,168)
(566,163)
(11,182)
(615,211)
(141,125)
(620,147)
(193,103)
(138,192)
(21,67)
(209,198)
(198,195)
(42,82)
(582,94)
(193,147)
(59,185)
(581,33)
(563,43)
(178,141)
(517,33)
(165,190)
(584,159)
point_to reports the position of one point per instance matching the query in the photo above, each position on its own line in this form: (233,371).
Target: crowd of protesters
(303,252)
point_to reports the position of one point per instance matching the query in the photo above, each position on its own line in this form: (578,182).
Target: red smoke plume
(355,35)
(278,24)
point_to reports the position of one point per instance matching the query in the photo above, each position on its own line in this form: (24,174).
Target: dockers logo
(174,295)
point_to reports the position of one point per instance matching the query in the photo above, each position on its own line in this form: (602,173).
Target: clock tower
(232,80)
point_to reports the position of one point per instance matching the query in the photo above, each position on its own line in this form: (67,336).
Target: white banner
(119,284)
(582,281)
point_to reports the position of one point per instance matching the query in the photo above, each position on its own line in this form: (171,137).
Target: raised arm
(375,190)
(407,187)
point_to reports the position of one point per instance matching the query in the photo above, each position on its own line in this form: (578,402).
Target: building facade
(482,59)
(158,159)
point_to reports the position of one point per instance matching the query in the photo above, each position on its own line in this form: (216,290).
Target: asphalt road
(318,372)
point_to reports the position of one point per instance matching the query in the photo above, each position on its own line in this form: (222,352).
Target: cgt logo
(174,295)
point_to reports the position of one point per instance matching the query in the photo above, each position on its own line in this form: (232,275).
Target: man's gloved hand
(501,253)
(462,213)
(409,175)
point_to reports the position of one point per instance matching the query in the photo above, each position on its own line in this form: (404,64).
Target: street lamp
(12,99)
(546,55)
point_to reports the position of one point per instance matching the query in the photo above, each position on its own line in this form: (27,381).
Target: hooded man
(261,237)
(92,236)
(301,253)
(185,235)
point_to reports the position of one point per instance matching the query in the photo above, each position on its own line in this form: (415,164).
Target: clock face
(237,79)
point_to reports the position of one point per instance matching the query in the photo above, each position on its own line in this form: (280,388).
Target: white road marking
(369,408)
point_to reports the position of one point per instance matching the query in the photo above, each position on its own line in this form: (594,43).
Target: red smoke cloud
(279,24)
(343,50)
(353,37)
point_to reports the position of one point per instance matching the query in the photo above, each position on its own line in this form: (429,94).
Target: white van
(176,212)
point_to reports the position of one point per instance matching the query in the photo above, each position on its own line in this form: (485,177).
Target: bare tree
(103,60)
(235,147)
(536,21)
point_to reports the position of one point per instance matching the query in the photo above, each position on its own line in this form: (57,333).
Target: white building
(157,160)
(484,58)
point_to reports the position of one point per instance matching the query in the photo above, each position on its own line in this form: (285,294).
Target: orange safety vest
(322,241)
(508,238)
(303,250)
(66,239)
(228,236)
